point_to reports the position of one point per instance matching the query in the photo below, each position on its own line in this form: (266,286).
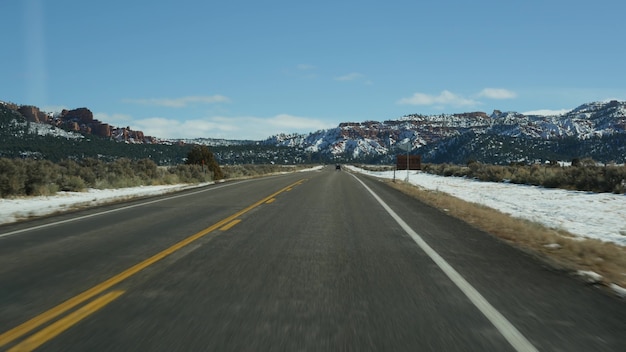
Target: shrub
(521,175)
(452,170)
(89,176)
(69,168)
(191,173)
(45,190)
(41,177)
(587,175)
(234,171)
(146,169)
(72,184)
(98,167)
(553,179)
(615,178)
(12,176)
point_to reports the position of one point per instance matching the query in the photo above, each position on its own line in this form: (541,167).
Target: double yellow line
(65,323)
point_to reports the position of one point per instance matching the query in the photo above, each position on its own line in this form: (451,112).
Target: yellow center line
(229,225)
(269,201)
(52,313)
(65,323)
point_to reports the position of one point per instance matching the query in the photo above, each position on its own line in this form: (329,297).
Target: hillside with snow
(595,130)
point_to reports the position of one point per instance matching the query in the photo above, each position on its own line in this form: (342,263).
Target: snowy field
(593,215)
(12,210)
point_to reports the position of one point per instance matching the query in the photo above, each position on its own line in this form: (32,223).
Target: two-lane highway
(306,261)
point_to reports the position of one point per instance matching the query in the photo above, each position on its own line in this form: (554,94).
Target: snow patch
(588,215)
(316,168)
(590,277)
(16,209)
(620,291)
(553,246)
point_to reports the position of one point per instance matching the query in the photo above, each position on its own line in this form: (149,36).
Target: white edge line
(12,233)
(508,331)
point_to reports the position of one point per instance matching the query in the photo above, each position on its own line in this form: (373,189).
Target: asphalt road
(316,261)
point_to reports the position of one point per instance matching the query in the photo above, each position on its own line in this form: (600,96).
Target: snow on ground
(12,210)
(314,168)
(593,215)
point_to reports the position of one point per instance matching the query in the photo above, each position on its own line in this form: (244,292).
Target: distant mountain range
(596,130)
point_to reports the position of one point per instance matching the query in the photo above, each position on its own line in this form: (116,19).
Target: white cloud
(444,98)
(349,77)
(497,93)
(171,128)
(547,112)
(247,127)
(113,119)
(291,122)
(180,102)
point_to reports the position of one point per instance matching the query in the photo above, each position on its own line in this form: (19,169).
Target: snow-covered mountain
(430,133)
(596,130)
(586,121)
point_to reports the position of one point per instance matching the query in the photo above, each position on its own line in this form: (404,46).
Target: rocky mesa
(81,120)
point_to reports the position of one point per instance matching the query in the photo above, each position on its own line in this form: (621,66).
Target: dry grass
(241,171)
(558,248)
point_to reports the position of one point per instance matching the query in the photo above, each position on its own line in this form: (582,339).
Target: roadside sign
(412,162)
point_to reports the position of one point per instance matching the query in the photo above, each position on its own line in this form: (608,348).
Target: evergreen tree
(201,155)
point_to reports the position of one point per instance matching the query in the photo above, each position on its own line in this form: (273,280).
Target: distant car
(337,167)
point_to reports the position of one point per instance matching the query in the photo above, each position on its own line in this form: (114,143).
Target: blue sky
(250,69)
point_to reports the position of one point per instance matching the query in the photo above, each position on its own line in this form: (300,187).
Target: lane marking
(229,225)
(52,313)
(116,210)
(270,201)
(65,323)
(508,330)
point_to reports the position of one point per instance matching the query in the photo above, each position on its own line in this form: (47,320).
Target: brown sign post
(414,162)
